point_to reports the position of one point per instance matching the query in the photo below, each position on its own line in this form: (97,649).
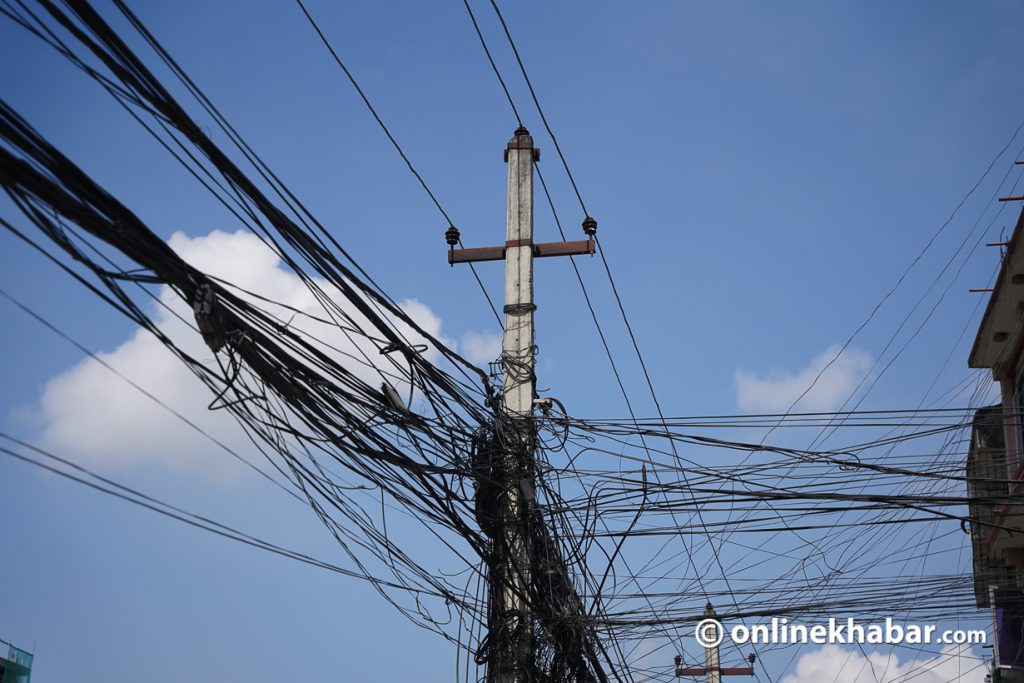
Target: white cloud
(481,348)
(90,413)
(777,390)
(834,663)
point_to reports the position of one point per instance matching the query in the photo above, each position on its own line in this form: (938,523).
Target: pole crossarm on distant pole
(712,669)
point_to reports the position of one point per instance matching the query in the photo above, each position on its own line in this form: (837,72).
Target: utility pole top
(522,139)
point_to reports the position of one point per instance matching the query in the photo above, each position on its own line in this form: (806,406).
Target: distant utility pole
(712,669)
(511,621)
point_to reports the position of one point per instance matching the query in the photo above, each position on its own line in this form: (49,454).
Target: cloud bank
(779,389)
(481,348)
(840,665)
(90,413)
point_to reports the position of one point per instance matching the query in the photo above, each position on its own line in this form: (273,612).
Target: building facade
(995,465)
(17,667)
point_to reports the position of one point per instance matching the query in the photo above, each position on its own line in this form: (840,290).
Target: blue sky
(761,174)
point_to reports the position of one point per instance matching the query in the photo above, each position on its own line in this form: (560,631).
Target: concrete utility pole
(517,343)
(510,586)
(712,660)
(712,669)
(519,384)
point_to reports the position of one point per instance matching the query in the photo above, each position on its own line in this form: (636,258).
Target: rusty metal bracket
(541,250)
